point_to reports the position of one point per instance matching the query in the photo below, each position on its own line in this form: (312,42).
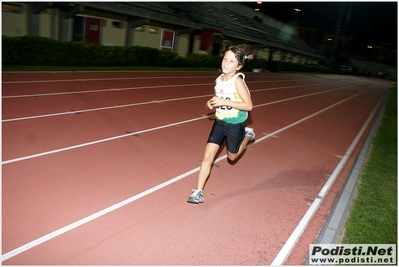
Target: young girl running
(232,103)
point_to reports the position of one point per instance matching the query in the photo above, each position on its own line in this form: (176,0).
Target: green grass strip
(373,216)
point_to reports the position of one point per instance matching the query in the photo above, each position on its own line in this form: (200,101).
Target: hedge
(41,51)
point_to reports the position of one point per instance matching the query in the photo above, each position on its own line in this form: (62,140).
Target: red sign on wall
(93,31)
(167,40)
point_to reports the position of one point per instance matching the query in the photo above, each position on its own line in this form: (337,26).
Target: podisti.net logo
(363,254)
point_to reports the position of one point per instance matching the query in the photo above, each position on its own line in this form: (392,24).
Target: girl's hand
(209,104)
(217,101)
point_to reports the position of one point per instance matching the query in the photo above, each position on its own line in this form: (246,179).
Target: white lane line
(98,141)
(109,90)
(136,88)
(87,219)
(107,79)
(135,133)
(98,109)
(311,116)
(301,96)
(295,235)
(162,100)
(123,78)
(72,226)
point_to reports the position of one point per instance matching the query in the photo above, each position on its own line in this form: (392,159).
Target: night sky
(368,22)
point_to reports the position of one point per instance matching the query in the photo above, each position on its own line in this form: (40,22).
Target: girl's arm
(209,103)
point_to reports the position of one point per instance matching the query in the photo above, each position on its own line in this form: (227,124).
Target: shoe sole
(194,201)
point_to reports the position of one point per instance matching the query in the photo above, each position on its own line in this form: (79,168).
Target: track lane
(32,136)
(63,99)
(225,197)
(233,196)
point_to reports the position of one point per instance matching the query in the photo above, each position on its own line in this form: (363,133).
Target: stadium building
(181,27)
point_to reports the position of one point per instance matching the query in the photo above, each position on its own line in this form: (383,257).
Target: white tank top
(228,90)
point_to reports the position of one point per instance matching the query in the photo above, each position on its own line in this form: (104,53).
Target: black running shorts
(234,134)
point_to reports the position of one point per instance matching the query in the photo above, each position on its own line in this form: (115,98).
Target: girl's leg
(234,156)
(209,156)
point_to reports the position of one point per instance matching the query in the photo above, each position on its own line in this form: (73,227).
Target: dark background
(369,23)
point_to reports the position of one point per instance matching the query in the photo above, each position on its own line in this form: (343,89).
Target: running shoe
(196,197)
(250,132)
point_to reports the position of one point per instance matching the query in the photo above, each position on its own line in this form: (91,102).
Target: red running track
(97,166)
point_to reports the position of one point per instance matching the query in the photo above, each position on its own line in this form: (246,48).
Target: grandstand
(193,27)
